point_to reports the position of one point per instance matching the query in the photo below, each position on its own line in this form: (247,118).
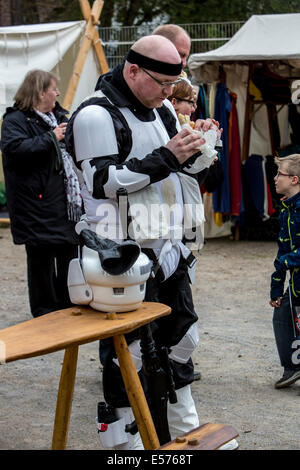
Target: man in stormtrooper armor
(127,137)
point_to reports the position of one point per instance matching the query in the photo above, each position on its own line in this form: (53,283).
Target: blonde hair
(292,163)
(170,31)
(35,82)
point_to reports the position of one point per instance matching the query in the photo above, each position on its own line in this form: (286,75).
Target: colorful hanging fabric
(202,111)
(234,159)
(257,186)
(221,197)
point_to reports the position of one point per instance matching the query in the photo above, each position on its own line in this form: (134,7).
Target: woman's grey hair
(35,82)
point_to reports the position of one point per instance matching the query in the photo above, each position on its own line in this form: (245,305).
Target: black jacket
(34,179)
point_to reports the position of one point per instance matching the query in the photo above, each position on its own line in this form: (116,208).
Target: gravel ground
(237,357)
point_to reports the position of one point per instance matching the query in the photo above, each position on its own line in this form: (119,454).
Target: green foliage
(66,10)
(136,12)
(196,11)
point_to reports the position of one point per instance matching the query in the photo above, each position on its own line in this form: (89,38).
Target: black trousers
(47,272)
(284,335)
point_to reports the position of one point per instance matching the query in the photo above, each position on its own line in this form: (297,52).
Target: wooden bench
(67,330)
(209,436)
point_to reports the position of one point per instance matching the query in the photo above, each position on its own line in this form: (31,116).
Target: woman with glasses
(183,98)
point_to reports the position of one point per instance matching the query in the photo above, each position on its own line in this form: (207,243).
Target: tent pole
(86,12)
(100,53)
(87,41)
(85,9)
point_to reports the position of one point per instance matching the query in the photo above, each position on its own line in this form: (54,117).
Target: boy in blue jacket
(287,183)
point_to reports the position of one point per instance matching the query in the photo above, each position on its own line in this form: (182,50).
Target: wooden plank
(136,395)
(209,436)
(64,399)
(73,326)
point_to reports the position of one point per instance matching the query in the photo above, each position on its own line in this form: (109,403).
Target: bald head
(151,67)
(158,48)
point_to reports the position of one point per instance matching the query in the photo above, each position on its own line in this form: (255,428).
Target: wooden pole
(86,12)
(84,49)
(100,53)
(64,399)
(85,9)
(136,395)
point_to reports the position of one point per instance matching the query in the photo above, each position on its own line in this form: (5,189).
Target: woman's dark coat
(34,179)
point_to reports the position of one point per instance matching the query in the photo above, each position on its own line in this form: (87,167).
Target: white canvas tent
(50,47)
(63,48)
(262,37)
(273,39)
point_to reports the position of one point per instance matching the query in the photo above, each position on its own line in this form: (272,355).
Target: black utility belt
(157,271)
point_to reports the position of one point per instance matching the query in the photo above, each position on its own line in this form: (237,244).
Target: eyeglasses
(279,173)
(191,102)
(161,84)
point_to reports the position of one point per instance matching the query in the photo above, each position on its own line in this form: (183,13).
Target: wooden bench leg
(64,399)
(136,394)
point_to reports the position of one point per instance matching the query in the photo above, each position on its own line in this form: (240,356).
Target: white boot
(134,441)
(182,416)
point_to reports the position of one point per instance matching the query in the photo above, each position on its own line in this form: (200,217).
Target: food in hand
(184,119)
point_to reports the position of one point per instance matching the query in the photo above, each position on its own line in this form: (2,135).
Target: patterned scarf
(72,187)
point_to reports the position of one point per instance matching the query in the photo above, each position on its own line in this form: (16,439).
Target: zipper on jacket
(292,247)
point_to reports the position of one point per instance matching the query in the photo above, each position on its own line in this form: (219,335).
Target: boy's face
(284,181)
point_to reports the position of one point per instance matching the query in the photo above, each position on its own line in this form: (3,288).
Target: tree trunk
(130,12)
(16,12)
(5,12)
(107,14)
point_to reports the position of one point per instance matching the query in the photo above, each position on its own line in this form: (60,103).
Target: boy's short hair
(292,163)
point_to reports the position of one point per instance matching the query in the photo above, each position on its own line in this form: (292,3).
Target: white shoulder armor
(94,133)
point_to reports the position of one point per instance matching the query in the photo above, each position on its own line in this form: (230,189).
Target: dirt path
(237,357)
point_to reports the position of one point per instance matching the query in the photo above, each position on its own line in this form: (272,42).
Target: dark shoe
(197,375)
(289,377)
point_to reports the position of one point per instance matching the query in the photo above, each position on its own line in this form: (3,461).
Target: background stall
(252,85)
